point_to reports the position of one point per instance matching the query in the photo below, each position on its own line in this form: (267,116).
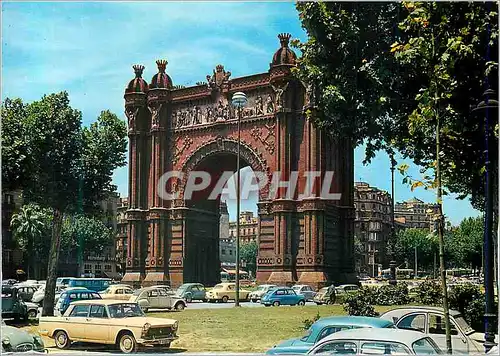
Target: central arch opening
(210,238)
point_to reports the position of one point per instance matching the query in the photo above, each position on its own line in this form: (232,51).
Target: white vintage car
(109,322)
(256,295)
(430,320)
(376,342)
(157,298)
(117,292)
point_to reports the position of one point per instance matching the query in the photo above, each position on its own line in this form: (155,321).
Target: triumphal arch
(305,240)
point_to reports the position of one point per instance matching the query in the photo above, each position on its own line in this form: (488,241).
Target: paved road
(230,304)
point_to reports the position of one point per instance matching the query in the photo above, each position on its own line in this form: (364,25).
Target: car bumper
(162,341)
(266,302)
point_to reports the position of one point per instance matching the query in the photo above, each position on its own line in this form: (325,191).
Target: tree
(61,153)
(30,224)
(373,79)
(409,239)
(466,243)
(248,253)
(92,231)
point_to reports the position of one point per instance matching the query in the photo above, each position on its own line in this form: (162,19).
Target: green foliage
(248,253)
(465,243)
(426,244)
(429,292)
(387,85)
(31,230)
(393,295)
(308,322)
(361,302)
(91,232)
(460,296)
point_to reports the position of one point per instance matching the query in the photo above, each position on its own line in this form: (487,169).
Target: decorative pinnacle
(162,64)
(138,68)
(219,67)
(284,39)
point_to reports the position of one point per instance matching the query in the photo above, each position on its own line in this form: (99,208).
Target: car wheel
(180,306)
(276,304)
(127,344)
(204,300)
(301,302)
(32,314)
(225,299)
(62,340)
(188,298)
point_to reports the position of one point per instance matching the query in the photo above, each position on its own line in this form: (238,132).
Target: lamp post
(392,264)
(239,100)
(489,106)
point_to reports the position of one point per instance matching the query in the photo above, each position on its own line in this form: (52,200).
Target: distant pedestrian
(331,294)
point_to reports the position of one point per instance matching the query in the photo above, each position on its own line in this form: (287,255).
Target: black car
(13,306)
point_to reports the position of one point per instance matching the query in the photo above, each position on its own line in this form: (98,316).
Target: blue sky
(88,49)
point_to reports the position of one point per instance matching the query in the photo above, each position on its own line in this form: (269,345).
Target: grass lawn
(244,329)
(238,329)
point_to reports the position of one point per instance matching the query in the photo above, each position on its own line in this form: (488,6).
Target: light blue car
(324,327)
(282,296)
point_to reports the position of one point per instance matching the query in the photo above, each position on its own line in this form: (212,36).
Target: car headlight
(175,326)
(145,329)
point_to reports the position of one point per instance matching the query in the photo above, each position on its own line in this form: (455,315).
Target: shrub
(460,296)
(361,302)
(429,292)
(393,294)
(308,322)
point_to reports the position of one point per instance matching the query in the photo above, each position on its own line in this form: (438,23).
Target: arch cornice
(224,145)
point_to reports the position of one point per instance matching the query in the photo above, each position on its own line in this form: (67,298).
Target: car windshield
(463,325)
(181,289)
(262,288)
(125,310)
(426,346)
(306,335)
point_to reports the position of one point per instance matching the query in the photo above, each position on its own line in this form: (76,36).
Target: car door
(198,292)
(164,299)
(291,298)
(77,320)
(154,298)
(118,294)
(231,291)
(437,331)
(96,324)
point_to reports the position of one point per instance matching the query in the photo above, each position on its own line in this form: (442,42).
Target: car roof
(77,291)
(412,308)
(101,302)
(119,286)
(192,284)
(391,335)
(363,321)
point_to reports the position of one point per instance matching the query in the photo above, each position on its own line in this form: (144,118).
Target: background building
(227,243)
(414,213)
(121,234)
(372,227)
(12,257)
(248,227)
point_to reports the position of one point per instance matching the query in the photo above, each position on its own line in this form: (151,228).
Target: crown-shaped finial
(284,39)
(162,64)
(138,68)
(219,67)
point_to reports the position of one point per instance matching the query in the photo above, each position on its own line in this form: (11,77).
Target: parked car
(157,298)
(192,291)
(282,296)
(63,281)
(39,294)
(224,292)
(117,292)
(346,288)
(70,296)
(325,295)
(307,291)
(376,342)
(13,307)
(65,289)
(261,290)
(324,327)
(430,320)
(108,322)
(96,284)
(16,340)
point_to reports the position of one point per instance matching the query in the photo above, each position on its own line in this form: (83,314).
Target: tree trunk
(50,289)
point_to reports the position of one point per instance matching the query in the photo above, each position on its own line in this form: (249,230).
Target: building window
(87,266)
(362,206)
(107,268)
(230,252)
(223,252)
(98,268)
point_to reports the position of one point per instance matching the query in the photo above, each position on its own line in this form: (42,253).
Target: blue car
(282,296)
(72,296)
(324,327)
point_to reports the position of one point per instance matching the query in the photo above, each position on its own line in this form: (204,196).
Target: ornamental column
(157,260)
(138,127)
(283,205)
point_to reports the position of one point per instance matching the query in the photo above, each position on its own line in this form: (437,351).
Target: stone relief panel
(190,115)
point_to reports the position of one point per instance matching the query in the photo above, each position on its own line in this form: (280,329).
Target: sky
(88,49)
